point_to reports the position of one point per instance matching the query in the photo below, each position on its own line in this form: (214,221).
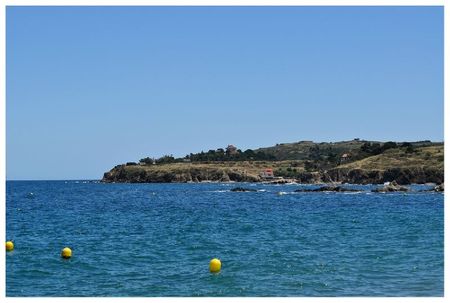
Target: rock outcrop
(136,174)
(402,176)
(390,187)
(241,173)
(283,181)
(242,189)
(327,188)
(439,188)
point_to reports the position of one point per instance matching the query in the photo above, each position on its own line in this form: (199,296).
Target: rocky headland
(342,162)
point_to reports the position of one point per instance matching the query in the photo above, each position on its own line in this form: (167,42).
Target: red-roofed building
(267,173)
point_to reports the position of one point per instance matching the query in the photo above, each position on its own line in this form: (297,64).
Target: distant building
(231,149)
(345,157)
(267,173)
(186,160)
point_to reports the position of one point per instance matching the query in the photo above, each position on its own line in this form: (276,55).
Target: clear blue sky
(92,87)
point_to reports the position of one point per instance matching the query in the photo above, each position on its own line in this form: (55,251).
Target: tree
(249,154)
(146,160)
(332,157)
(410,149)
(371,148)
(389,145)
(310,166)
(165,159)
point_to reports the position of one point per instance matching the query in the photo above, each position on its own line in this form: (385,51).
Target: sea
(156,240)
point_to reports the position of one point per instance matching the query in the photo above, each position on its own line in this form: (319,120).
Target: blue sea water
(158,239)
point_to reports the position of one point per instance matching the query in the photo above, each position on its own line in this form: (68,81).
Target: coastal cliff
(127,174)
(402,176)
(424,163)
(168,173)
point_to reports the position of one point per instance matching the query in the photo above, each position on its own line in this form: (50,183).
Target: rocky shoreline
(402,176)
(387,187)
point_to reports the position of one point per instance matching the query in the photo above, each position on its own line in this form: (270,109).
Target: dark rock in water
(242,189)
(390,187)
(439,188)
(327,188)
(278,182)
(283,181)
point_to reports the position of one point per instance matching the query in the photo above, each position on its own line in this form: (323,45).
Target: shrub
(410,149)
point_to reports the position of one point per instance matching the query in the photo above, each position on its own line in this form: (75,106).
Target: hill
(356,161)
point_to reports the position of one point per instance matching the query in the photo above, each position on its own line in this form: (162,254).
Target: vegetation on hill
(357,161)
(219,154)
(423,156)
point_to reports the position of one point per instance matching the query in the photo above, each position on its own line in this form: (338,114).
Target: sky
(92,87)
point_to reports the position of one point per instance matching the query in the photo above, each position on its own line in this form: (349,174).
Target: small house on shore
(345,158)
(267,173)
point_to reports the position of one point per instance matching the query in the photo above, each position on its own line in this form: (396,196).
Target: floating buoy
(9,246)
(66,253)
(215,265)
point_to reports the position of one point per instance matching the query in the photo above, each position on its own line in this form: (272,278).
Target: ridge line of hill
(355,161)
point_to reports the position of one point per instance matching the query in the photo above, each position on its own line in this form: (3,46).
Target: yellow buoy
(9,246)
(66,253)
(215,265)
